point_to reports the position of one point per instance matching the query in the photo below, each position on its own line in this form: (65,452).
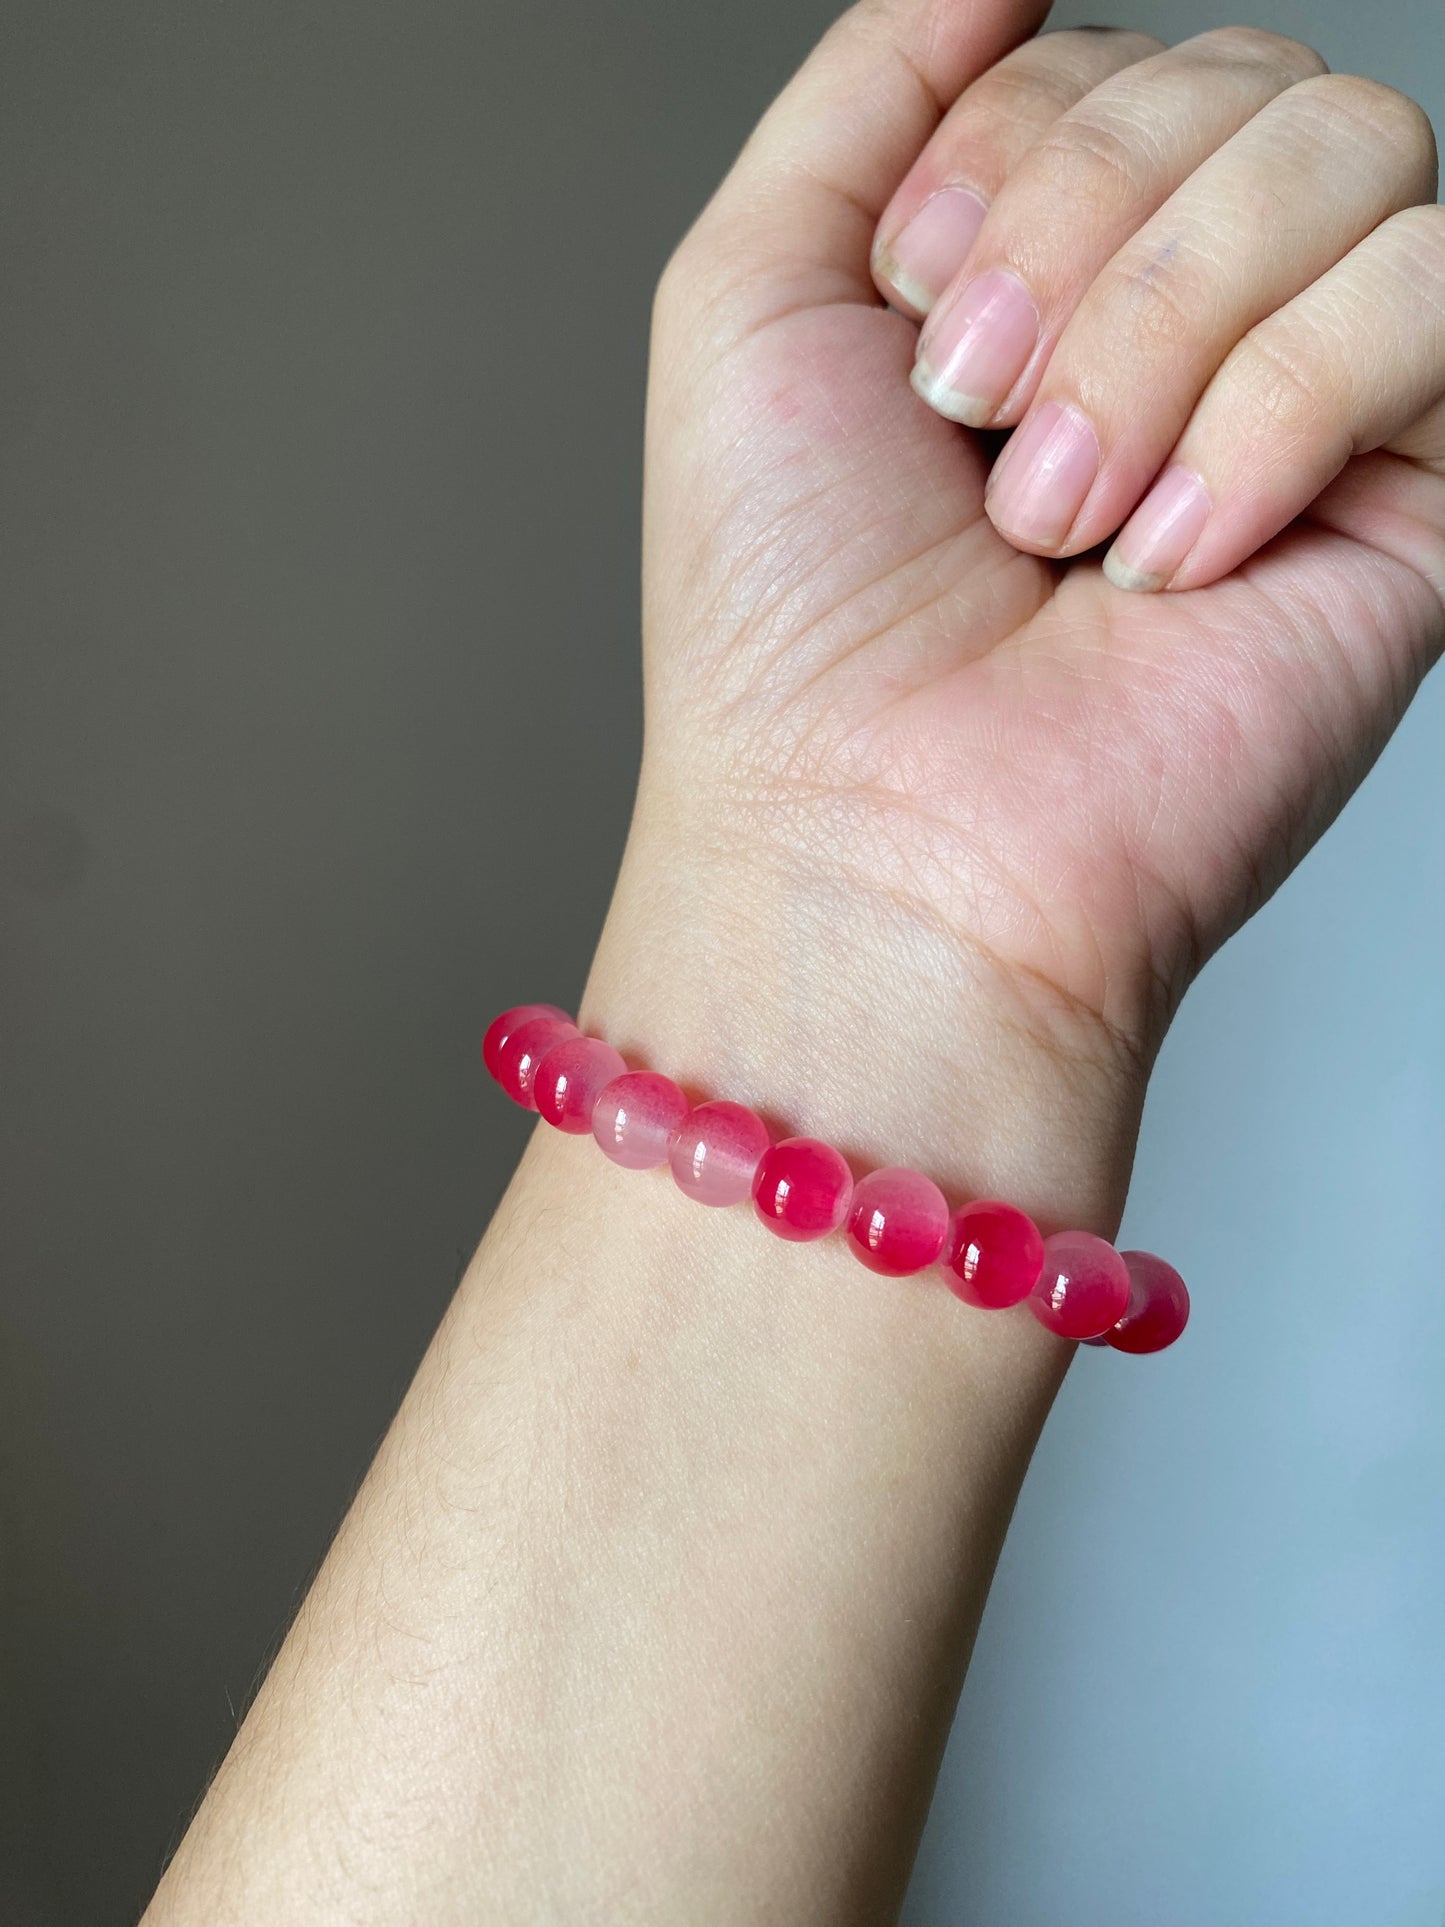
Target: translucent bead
(569,1078)
(635,1117)
(716,1152)
(1158,1308)
(897,1221)
(994,1254)
(802,1189)
(524,1049)
(501,1028)
(1084,1287)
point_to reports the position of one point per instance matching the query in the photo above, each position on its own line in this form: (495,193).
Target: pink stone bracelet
(897,1221)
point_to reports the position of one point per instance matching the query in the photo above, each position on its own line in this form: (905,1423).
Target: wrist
(843,1012)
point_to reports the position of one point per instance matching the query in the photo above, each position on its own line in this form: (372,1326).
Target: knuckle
(1079,49)
(1287,380)
(1086,160)
(1013,86)
(1160,305)
(1414,242)
(1382,113)
(1258,47)
(1422,230)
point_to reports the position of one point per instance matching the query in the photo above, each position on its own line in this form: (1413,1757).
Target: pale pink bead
(897,1221)
(635,1117)
(716,1152)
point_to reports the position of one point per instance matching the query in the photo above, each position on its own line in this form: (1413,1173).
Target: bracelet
(898,1222)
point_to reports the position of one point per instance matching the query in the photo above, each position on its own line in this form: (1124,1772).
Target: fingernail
(1040,481)
(1155,542)
(974,350)
(923,258)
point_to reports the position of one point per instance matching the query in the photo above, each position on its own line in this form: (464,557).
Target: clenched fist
(928,781)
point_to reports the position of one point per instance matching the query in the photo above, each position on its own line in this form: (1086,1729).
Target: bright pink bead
(526,1046)
(994,1256)
(635,1117)
(897,1221)
(802,1189)
(1084,1287)
(1158,1308)
(501,1028)
(716,1152)
(569,1078)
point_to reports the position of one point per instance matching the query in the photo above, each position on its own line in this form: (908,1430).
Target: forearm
(657,1600)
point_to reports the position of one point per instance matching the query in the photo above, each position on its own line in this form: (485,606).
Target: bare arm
(657,1601)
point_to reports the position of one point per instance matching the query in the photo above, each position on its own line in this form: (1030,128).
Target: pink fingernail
(1040,481)
(924,257)
(974,350)
(1157,538)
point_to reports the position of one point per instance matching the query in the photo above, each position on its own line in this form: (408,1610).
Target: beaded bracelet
(897,1221)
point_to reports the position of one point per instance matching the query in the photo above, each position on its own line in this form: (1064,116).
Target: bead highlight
(995,1255)
(567,1081)
(802,1189)
(501,1028)
(522,1051)
(716,1152)
(1158,1308)
(897,1222)
(1084,1286)
(636,1117)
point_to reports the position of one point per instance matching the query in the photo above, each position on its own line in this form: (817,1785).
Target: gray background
(322,336)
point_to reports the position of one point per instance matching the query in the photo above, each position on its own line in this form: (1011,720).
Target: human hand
(929,802)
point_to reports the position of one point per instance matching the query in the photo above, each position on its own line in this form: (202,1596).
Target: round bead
(569,1078)
(897,1221)
(635,1117)
(716,1152)
(1084,1287)
(1158,1308)
(802,1189)
(501,1028)
(519,1056)
(995,1254)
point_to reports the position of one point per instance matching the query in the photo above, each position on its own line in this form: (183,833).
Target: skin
(657,1600)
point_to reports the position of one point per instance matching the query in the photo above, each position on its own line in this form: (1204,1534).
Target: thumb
(792,224)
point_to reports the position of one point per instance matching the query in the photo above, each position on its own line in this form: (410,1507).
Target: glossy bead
(569,1078)
(1084,1286)
(526,1046)
(897,1221)
(716,1152)
(802,1189)
(501,1028)
(994,1254)
(1158,1308)
(635,1117)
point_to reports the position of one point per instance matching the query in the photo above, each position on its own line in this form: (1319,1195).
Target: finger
(1355,364)
(1276,207)
(792,225)
(933,220)
(1074,200)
